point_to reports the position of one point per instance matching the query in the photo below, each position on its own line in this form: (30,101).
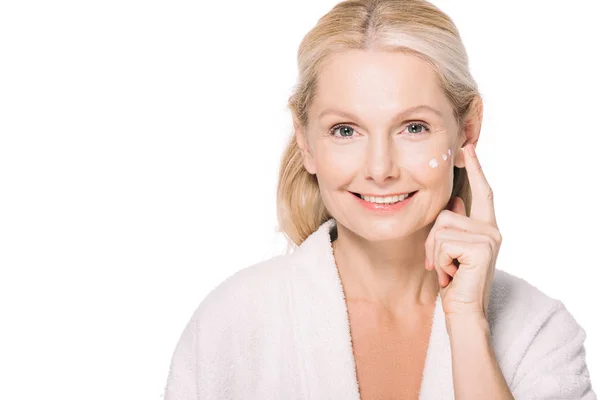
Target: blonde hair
(411,26)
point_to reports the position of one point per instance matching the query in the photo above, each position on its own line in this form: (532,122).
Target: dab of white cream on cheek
(433,163)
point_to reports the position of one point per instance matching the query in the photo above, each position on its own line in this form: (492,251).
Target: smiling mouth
(379,200)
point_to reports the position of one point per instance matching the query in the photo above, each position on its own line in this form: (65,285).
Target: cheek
(432,165)
(336,164)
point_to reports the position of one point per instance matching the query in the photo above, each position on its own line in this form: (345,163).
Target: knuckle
(444,247)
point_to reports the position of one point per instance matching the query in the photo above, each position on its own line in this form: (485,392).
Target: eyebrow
(397,116)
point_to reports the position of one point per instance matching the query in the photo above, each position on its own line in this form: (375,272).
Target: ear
(471,129)
(302,140)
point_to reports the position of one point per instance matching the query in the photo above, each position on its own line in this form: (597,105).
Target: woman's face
(366,136)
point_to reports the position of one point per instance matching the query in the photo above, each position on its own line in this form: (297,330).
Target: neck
(390,274)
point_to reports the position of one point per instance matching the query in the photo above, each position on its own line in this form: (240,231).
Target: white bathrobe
(279,329)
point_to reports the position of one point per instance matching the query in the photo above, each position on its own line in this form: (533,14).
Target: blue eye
(427,129)
(346,131)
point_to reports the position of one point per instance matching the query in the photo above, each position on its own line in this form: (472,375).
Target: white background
(139,151)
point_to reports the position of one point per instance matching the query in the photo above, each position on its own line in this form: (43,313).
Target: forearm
(475,371)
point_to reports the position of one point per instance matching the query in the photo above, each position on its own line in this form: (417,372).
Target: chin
(381,236)
(379,230)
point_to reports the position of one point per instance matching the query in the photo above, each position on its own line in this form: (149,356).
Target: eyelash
(333,129)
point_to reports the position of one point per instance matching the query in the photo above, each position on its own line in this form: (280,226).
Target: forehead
(362,80)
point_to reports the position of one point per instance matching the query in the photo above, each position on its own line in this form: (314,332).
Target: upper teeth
(387,199)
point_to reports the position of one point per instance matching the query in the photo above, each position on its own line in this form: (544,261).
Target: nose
(381,162)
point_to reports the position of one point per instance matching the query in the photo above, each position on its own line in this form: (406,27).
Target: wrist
(465,324)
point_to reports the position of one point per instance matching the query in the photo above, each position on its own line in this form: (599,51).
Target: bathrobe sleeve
(183,373)
(217,343)
(553,365)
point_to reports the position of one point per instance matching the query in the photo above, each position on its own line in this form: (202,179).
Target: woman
(392,292)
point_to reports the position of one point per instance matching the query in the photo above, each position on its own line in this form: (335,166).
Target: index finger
(482,205)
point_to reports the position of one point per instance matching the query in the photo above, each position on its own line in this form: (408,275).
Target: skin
(381,257)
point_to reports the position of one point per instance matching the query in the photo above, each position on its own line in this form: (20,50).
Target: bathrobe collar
(324,331)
